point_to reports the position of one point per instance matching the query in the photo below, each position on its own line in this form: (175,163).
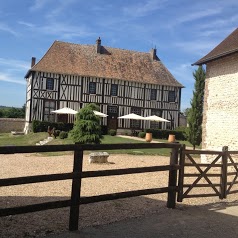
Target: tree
(186,112)
(87,129)
(14,112)
(196,111)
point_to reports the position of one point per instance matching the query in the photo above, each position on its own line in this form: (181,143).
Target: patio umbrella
(132,116)
(65,110)
(100,114)
(155,118)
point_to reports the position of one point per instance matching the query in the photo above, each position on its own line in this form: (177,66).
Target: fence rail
(223,160)
(77,175)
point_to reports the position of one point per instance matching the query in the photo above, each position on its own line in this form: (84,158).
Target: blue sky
(183,31)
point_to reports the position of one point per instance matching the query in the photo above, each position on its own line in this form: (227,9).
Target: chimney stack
(98,45)
(153,54)
(33,61)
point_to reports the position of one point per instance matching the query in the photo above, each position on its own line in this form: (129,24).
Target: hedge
(42,126)
(164,134)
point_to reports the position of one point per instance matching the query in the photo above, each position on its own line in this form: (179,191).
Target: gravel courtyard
(56,221)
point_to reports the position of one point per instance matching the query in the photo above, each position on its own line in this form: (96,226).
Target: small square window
(153,94)
(114,89)
(171,96)
(92,88)
(112,109)
(49,84)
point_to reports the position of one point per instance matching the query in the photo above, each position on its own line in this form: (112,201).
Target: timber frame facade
(65,86)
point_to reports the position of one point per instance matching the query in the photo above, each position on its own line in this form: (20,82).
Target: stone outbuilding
(220,117)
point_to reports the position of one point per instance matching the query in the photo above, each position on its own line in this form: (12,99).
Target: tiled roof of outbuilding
(228,46)
(76,59)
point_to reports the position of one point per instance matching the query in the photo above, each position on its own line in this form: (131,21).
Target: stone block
(98,157)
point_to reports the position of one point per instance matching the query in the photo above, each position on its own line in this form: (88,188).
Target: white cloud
(39,4)
(65,31)
(61,7)
(198,15)
(24,23)
(15,64)
(13,71)
(143,9)
(196,47)
(6,28)
(11,79)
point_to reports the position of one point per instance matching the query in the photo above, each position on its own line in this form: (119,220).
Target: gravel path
(56,221)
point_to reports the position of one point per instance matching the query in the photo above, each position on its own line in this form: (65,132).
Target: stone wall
(220,119)
(11,124)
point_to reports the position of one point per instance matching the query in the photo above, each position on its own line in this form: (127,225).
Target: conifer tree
(87,129)
(196,111)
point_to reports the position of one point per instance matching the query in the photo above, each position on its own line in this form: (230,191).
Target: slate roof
(228,46)
(77,59)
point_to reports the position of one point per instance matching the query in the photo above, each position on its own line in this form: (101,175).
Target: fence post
(181,173)
(171,201)
(224,172)
(76,189)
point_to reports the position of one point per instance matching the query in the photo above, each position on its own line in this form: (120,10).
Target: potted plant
(148,136)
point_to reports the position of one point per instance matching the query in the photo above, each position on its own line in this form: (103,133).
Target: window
(153,94)
(135,124)
(112,109)
(92,88)
(49,106)
(114,89)
(154,124)
(171,96)
(49,84)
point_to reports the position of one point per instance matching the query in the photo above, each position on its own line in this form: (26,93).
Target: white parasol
(132,116)
(65,110)
(155,118)
(100,114)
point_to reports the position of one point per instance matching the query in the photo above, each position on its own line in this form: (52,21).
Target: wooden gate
(218,177)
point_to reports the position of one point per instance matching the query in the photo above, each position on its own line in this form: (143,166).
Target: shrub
(127,133)
(104,130)
(112,132)
(41,126)
(141,134)
(87,129)
(63,134)
(56,133)
(164,134)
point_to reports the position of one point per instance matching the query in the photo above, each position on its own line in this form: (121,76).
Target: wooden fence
(77,175)
(223,161)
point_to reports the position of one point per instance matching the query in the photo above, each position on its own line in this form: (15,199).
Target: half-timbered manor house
(119,81)
(220,116)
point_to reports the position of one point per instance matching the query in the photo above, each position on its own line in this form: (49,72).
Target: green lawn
(33,138)
(117,140)
(30,139)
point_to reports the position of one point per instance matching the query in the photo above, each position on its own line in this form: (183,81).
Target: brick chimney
(98,45)
(153,54)
(33,61)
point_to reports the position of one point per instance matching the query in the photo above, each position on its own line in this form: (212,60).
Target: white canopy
(155,118)
(100,114)
(65,110)
(132,116)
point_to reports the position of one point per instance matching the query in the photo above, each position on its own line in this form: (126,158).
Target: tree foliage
(12,112)
(196,111)
(87,129)
(186,112)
